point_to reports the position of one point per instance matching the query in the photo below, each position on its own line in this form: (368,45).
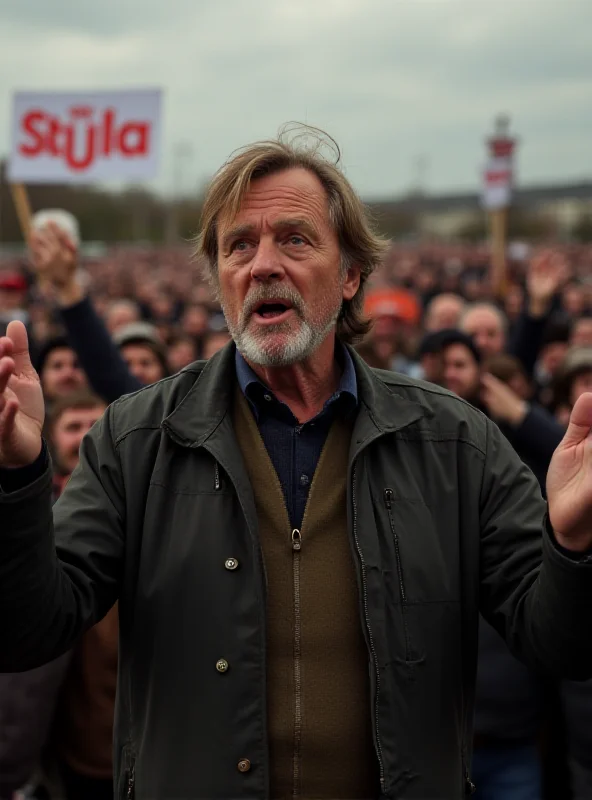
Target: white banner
(497,183)
(79,137)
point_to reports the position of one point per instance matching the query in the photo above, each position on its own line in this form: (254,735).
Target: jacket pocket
(388,500)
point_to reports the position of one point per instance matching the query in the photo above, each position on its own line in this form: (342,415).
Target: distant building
(445,215)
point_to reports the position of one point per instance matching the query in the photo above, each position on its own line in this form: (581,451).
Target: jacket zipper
(368,628)
(296,549)
(388,499)
(216,476)
(131,782)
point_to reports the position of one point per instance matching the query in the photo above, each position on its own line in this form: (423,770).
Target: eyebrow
(281,224)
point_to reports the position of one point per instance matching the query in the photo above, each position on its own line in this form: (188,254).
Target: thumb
(17,332)
(580,420)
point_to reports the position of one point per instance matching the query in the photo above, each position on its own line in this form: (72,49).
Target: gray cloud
(390,79)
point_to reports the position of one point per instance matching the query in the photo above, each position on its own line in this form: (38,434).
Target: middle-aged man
(300,545)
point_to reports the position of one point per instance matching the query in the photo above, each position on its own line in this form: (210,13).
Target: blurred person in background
(182,350)
(121,313)
(143,351)
(572,381)
(28,700)
(487,326)
(213,342)
(444,312)
(59,369)
(581,332)
(510,700)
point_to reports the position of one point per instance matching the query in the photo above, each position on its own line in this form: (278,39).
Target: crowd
(102,327)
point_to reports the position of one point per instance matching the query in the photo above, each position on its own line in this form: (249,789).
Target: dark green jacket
(444,520)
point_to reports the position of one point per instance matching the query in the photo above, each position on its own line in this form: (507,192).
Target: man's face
(485,328)
(552,357)
(461,372)
(61,374)
(581,335)
(281,285)
(143,363)
(68,432)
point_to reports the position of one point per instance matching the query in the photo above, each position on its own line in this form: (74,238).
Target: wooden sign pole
(20,198)
(498,218)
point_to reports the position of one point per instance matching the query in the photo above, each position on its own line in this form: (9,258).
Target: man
(265,651)
(487,326)
(59,370)
(143,351)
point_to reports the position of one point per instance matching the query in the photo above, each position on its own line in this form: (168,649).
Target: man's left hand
(569,481)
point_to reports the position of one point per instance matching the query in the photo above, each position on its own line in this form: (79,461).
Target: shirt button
(222,665)
(267,397)
(231,563)
(304,480)
(244,765)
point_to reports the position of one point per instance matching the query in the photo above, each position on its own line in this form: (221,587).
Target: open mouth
(272,309)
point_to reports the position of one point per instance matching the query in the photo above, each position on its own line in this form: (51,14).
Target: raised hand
(569,480)
(547,272)
(55,259)
(22,410)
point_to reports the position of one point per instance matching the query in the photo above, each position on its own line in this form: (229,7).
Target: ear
(351,283)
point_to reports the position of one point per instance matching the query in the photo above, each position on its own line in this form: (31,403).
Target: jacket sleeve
(527,340)
(60,573)
(539,434)
(536,595)
(98,355)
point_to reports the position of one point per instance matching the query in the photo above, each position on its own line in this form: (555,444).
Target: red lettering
(138,133)
(108,120)
(51,140)
(29,126)
(79,161)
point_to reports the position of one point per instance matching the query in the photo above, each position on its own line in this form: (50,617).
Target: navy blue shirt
(295,449)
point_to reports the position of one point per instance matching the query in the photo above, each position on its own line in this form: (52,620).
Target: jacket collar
(200,412)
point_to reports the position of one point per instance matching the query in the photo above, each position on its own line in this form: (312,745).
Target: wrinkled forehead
(291,194)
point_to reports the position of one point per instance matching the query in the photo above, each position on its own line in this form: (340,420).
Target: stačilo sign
(77,138)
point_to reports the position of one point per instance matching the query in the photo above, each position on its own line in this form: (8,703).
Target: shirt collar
(256,391)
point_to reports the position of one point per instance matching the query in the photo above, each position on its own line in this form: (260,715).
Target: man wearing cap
(300,545)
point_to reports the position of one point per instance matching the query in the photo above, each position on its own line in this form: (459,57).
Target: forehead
(60,354)
(458,352)
(70,415)
(291,193)
(138,349)
(483,316)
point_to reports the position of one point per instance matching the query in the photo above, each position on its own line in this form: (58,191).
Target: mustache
(268,292)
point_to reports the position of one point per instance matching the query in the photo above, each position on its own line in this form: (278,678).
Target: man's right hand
(22,410)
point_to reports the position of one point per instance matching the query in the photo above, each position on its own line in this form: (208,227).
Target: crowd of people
(102,327)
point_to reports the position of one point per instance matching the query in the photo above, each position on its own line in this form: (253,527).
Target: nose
(266,264)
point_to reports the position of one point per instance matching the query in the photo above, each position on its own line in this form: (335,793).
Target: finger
(6,346)
(8,415)
(20,341)
(7,366)
(580,420)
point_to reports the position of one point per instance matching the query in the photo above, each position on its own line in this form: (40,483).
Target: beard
(281,345)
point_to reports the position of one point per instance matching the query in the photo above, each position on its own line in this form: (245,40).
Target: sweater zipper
(296,550)
(388,500)
(216,476)
(368,629)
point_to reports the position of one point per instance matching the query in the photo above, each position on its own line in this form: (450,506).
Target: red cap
(13,281)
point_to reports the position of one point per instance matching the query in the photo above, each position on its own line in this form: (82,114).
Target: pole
(20,198)
(498,219)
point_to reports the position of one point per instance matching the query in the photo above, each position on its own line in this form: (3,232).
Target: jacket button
(222,665)
(231,563)
(244,765)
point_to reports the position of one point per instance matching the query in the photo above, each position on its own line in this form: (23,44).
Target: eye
(296,239)
(241,245)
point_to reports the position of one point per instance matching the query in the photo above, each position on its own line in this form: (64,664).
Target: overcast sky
(392,80)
